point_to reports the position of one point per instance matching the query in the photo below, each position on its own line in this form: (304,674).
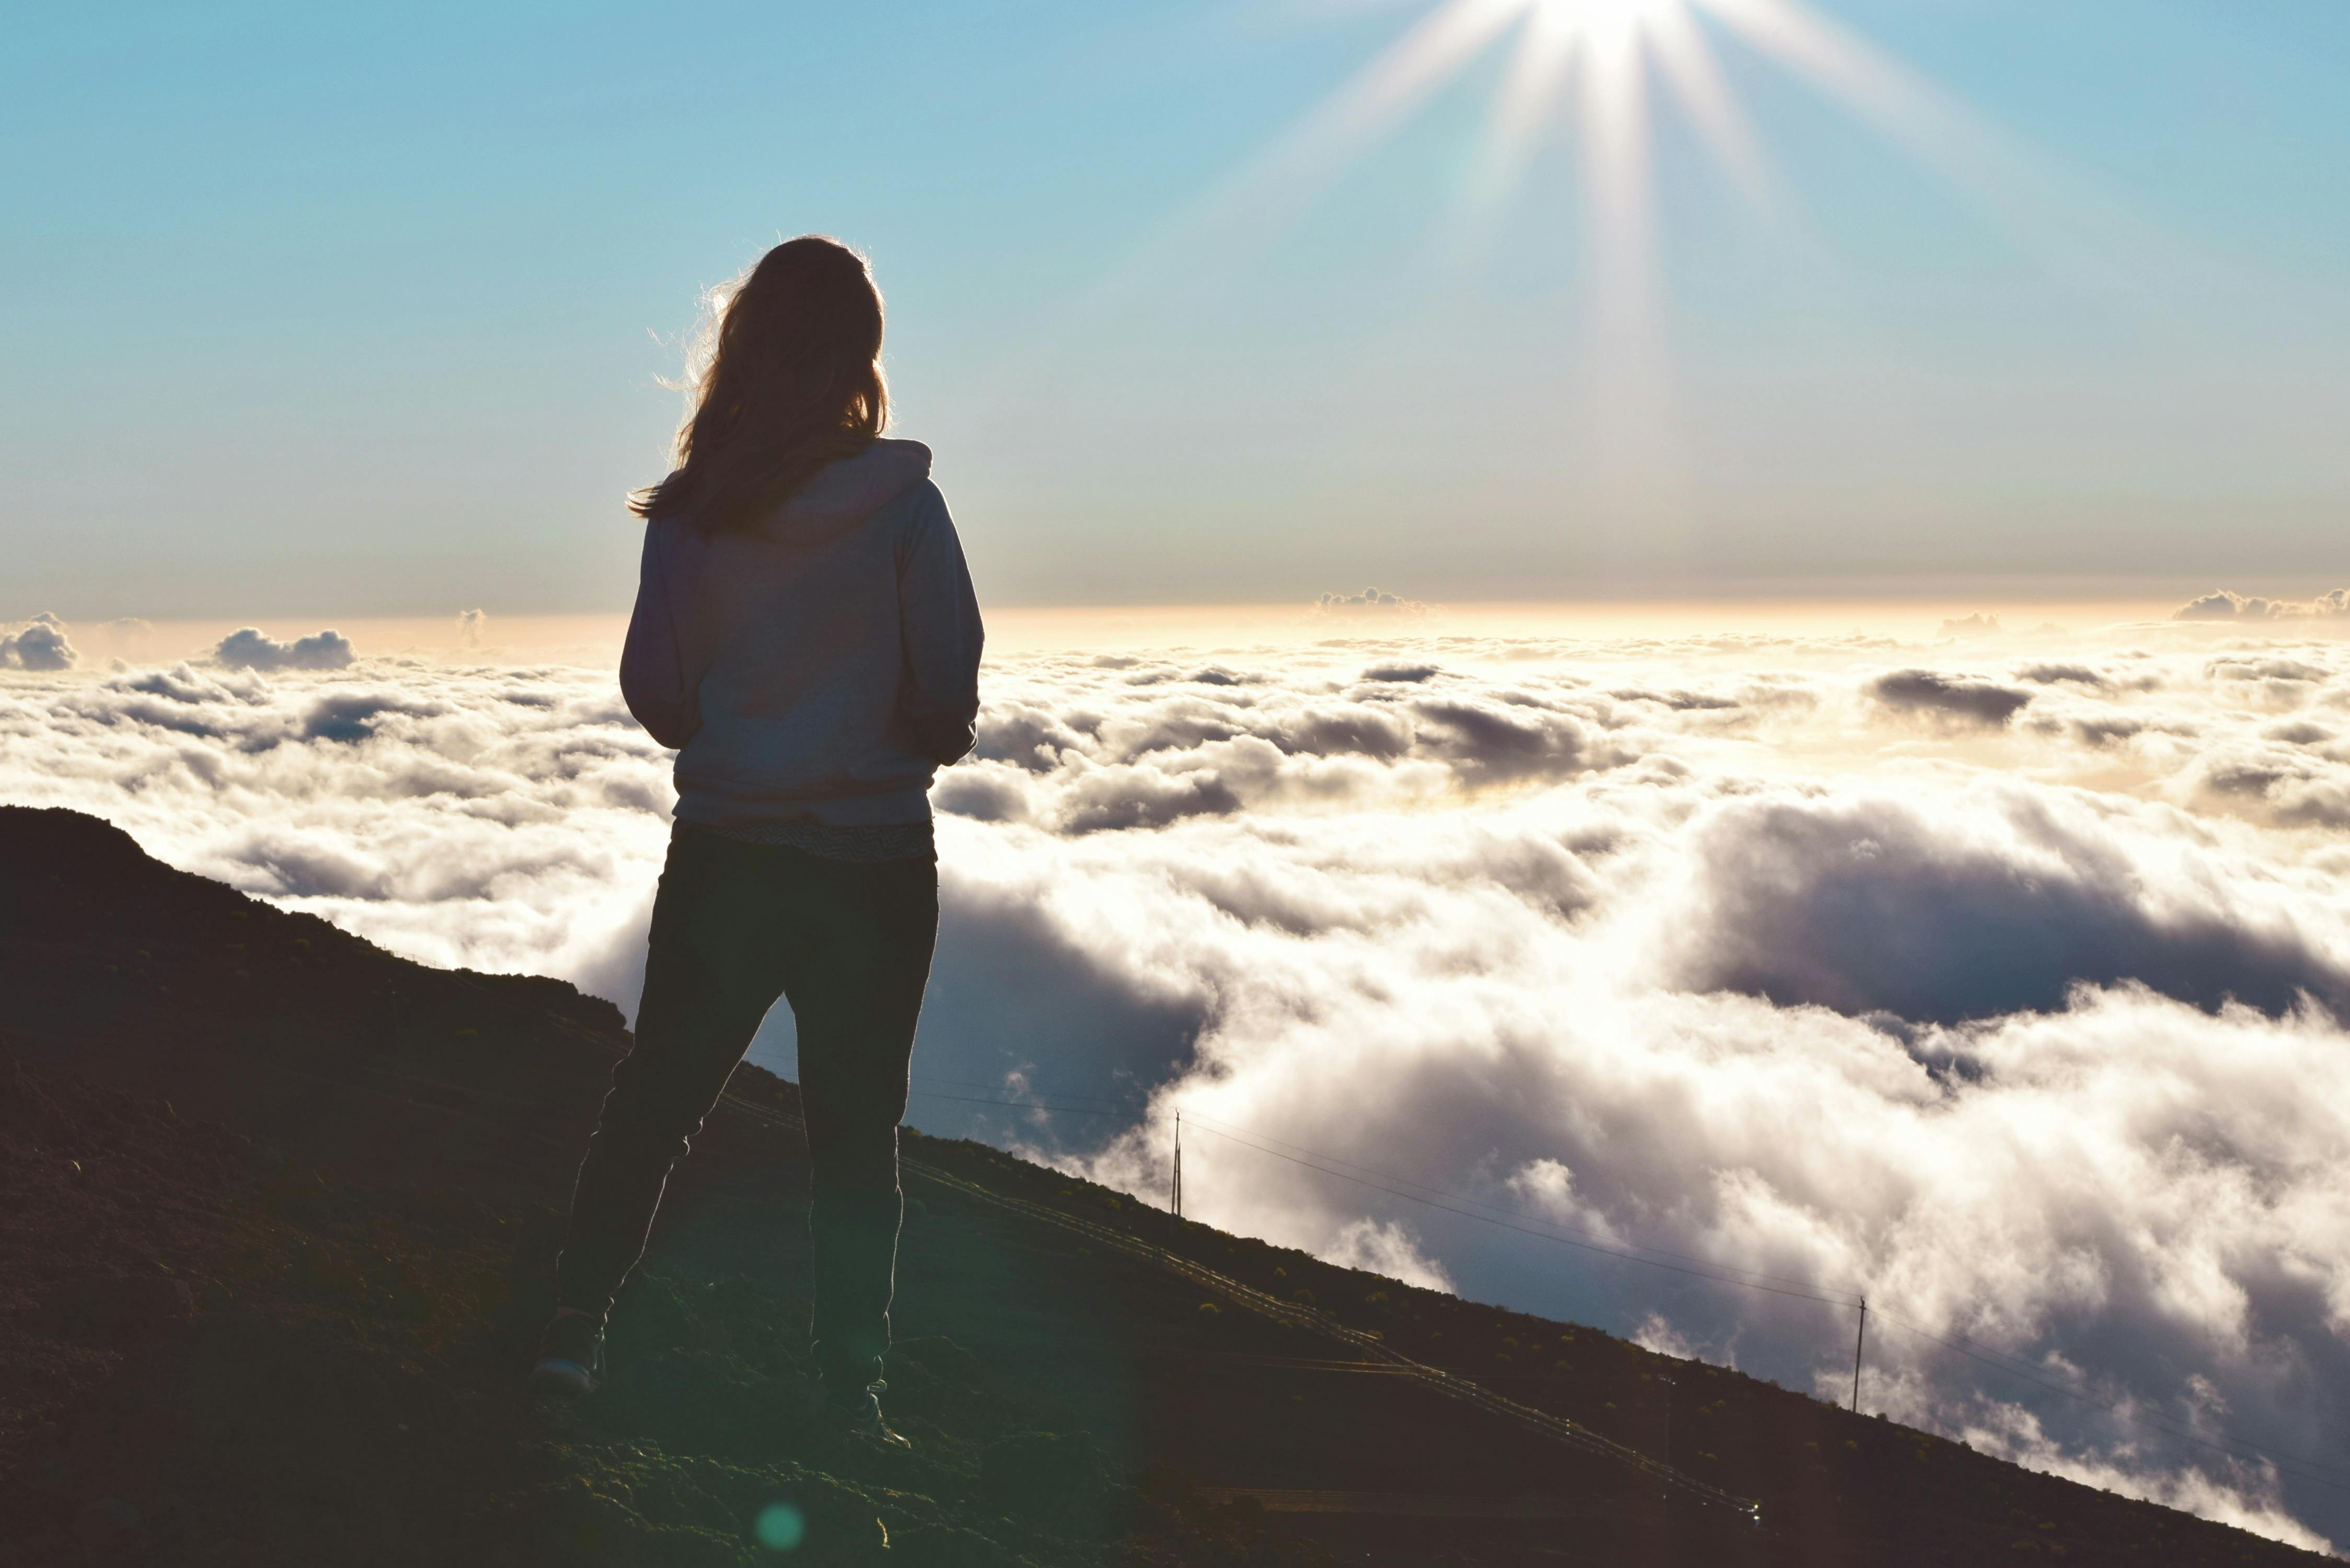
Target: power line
(2312,1470)
(1548,1422)
(1017,1105)
(1964,1347)
(1103,1100)
(1600,1243)
(1540,1235)
(1704,1267)
(2309,1469)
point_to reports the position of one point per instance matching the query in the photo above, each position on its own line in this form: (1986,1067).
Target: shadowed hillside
(279,1213)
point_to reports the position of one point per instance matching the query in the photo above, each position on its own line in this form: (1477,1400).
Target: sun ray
(1605,49)
(2071,227)
(1530,92)
(1592,71)
(1611,91)
(1626,393)
(1209,235)
(1895,100)
(1372,102)
(1687,64)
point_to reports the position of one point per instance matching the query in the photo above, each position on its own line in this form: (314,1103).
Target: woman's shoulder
(900,449)
(850,490)
(675,536)
(921,504)
(880,472)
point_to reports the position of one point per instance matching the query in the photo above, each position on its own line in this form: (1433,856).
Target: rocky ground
(278,1213)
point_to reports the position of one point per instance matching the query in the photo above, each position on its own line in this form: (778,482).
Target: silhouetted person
(807,636)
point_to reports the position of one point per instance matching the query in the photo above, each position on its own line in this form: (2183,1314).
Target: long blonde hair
(791,380)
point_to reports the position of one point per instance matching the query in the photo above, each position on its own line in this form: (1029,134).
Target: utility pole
(1178,1165)
(1857,1340)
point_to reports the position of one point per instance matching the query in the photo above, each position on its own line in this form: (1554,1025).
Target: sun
(1598,56)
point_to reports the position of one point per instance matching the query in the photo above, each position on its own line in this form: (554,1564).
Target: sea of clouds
(2001,977)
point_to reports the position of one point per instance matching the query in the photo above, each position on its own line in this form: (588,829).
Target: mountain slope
(279,1210)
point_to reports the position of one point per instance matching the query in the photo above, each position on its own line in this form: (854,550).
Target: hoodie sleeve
(938,617)
(654,681)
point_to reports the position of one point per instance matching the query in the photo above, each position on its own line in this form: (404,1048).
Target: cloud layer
(2009,992)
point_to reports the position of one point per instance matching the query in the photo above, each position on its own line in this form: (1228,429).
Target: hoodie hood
(845,494)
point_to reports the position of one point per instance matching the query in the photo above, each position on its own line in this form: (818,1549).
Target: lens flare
(781,1527)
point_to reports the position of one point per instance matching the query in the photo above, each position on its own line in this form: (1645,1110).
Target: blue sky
(312,311)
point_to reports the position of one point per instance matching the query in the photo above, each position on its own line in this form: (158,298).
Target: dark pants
(735,926)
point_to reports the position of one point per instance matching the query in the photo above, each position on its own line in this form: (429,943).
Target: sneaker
(570,1357)
(856,1413)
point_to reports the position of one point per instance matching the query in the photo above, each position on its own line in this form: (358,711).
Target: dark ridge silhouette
(279,1209)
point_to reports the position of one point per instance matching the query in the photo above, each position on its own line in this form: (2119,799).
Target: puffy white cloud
(2228,606)
(1975,625)
(2026,1018)
(252,650)
(1388,1250)
(39,645)
(1369,602)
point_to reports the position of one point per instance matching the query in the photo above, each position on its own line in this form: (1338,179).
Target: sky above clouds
(323,312)
(2000,974)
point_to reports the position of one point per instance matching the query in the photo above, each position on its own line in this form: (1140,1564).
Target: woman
(806,636)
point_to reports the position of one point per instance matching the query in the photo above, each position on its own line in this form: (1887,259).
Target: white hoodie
(823,663)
